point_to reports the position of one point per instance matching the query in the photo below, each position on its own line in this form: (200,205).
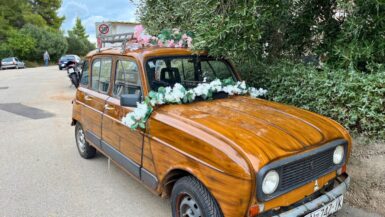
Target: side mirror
(130,100)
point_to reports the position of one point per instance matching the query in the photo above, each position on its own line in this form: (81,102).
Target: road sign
(104,29)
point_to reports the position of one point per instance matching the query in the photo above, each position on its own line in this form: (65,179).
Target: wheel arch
(176,174)
(171,178)
(74,122)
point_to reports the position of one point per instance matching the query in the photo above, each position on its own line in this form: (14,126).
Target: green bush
(20,45)
(32,64)
(352,98)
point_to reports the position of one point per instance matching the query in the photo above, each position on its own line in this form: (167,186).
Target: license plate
(328,209)
(63,64)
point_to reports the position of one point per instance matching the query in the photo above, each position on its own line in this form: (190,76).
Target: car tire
(190,198)
(85,149)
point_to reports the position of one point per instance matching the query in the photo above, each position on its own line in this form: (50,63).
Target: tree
(17,13)
(47,9)
(77,40)
(274,30)
(79,30)
(361,44)
(46,39)
(76,45)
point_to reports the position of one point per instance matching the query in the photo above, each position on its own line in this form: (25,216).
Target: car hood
(263,130)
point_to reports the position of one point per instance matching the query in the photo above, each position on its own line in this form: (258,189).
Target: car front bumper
(318,202)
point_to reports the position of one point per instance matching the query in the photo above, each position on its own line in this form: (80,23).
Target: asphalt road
(41,172)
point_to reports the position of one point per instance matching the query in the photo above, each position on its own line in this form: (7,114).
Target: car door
(94,98)
(125,145)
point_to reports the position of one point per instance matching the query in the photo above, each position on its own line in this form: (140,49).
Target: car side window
(101,73)
(84,79)
(127,79)
(95,74)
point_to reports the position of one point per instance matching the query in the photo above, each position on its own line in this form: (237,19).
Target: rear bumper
(318,202)
(8,66)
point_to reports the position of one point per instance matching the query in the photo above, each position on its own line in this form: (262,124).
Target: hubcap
(81,140)
(189,207)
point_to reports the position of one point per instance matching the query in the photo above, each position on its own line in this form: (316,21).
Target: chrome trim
(316,203)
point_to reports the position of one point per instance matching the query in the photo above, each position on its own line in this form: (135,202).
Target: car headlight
(270,182)
(338,154)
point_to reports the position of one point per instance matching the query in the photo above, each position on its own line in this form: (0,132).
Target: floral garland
(167,38)
(179,95)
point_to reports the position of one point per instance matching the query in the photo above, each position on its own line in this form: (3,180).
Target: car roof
(146,52)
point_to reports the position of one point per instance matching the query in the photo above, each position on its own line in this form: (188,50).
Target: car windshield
(8,59)
(186,70)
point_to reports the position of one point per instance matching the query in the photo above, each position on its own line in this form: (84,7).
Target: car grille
(300,169)
(306,169)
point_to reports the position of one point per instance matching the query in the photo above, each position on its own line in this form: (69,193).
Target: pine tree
(79,30)
(47,9)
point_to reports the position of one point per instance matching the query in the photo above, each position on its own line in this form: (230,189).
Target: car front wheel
(85,150)
(189,198)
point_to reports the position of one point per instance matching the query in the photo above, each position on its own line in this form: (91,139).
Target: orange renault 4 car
(234,156)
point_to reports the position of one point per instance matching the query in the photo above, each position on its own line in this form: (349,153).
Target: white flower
(229,89)
(243,85)
(178,92)
(202,89)
(177,95)
(168,90)
(140,111)
(192,94)
(178,86)
(160,99)
(169,98)
(153,102)
(257,92)
(216,85)
(127,120)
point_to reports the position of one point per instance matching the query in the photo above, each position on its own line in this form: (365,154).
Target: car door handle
(88,98)
(108,107)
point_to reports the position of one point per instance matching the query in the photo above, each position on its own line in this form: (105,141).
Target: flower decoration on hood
(180,95)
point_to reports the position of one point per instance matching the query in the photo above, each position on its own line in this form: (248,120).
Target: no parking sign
(103,29)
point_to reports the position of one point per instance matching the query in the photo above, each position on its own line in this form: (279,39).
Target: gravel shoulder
(367,169)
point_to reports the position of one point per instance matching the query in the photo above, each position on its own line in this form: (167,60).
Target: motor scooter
(73,72)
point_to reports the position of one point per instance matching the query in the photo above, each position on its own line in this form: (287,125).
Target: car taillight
(14,62)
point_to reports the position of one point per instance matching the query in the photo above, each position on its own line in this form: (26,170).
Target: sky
(91,11)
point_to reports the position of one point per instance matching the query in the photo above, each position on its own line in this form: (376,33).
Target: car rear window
(67,58)
(7,60)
